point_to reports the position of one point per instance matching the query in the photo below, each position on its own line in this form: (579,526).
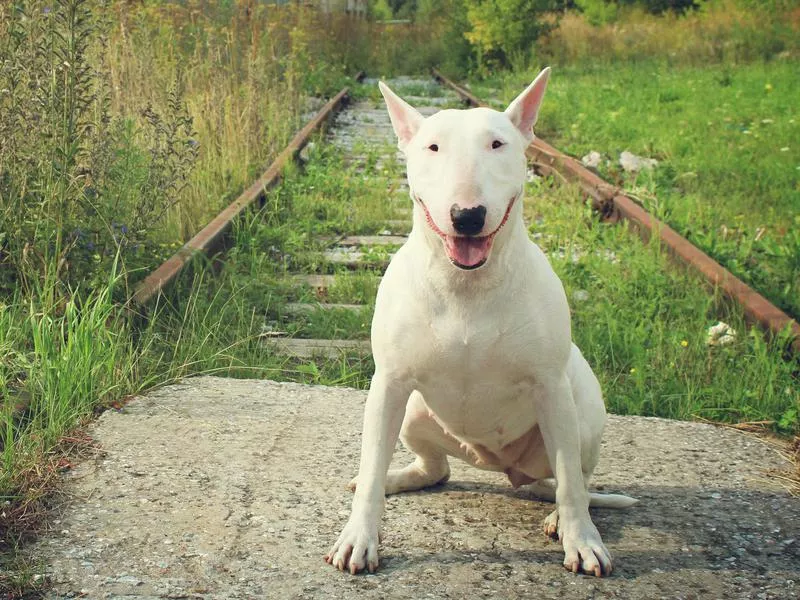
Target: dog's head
(467,168)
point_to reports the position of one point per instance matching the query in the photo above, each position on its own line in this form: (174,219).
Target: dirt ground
(223,488)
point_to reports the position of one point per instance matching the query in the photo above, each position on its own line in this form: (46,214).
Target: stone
(633,164)
(592,160)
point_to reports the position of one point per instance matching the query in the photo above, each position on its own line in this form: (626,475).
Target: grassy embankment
(711,96)
(641,322)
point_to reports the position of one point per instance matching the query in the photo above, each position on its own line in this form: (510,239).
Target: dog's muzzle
(467,251)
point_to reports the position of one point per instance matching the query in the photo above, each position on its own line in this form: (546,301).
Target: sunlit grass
(641,322)
(725,137)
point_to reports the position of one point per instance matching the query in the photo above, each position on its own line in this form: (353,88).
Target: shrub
(502,30)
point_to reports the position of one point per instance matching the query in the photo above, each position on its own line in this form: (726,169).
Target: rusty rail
(610,200)
(212,236)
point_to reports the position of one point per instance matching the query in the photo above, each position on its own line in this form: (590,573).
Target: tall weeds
(730,31)
(78,185)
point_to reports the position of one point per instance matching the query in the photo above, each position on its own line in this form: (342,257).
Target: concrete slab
(220,488)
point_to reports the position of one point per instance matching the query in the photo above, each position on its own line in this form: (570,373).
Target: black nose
(468,221)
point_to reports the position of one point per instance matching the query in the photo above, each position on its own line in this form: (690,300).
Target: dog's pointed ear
(406,120)
(524,110)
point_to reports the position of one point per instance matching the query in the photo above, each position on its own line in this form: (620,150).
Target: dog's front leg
(357,546)
(558,421)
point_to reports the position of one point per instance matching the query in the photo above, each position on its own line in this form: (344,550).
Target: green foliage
(660,6)
(78,187)
(598,12)
(643,324)
(719,31)
(60,362)
(501,30)
(705,189)
(790,420)
(380,10)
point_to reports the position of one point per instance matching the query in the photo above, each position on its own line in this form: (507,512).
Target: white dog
(471,339)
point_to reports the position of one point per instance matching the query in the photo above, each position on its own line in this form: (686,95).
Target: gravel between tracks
(223,488)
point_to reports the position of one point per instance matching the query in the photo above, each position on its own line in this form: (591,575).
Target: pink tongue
(468,251)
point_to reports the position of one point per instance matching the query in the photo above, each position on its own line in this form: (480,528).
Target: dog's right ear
(406,120)
(524,110)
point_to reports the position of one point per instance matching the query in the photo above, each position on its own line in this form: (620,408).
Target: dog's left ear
(524,110)
(405,118)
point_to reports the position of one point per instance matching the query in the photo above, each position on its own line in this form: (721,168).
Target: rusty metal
(211,238)
(610,200)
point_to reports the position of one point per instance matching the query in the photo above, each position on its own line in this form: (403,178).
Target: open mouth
(466,252)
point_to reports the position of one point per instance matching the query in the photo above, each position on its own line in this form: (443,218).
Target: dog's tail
(611,500)
(545,489)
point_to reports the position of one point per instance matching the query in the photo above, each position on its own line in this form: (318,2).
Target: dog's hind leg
(588,399)
(423,436)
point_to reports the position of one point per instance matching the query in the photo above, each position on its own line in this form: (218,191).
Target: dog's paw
(584,549)
(550,525)
(357,547)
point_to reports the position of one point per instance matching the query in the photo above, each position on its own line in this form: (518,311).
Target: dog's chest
(475,373)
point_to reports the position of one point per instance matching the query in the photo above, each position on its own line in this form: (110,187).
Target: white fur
(476,364)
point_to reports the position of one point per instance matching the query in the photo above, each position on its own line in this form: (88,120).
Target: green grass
(57,362)
(641,322)
(303,216)
(726,138)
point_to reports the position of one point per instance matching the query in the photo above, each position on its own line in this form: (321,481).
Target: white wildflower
(580,296)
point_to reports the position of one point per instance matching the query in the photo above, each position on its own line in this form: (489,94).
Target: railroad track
(362,132)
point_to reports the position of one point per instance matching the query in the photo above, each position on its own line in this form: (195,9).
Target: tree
(502,29)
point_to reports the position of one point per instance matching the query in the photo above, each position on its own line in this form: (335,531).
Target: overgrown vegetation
(693,92)
(642,324)
(728,167)
(124,127)
(716,31)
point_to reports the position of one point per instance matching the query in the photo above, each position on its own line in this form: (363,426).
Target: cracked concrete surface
(222,488)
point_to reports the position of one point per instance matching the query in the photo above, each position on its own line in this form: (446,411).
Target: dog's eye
(496,144)
(433,148)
